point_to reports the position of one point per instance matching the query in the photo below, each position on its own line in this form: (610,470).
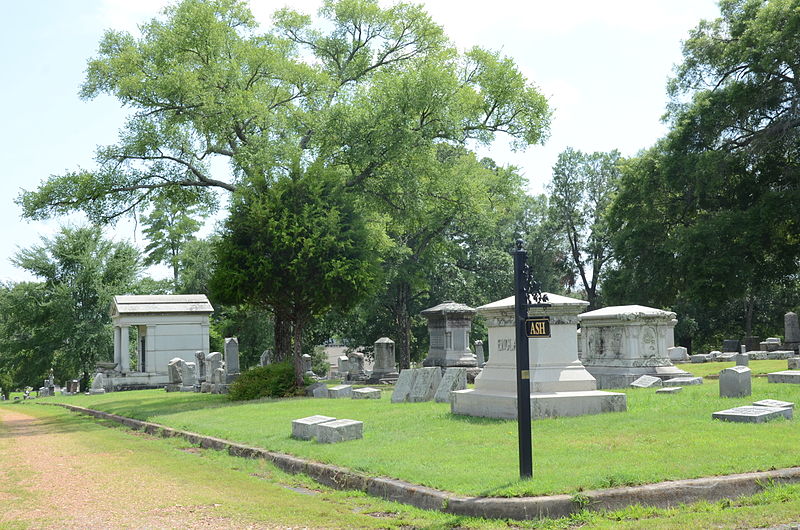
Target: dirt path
(72,489)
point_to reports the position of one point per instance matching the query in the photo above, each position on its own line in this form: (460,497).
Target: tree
(168,228)
(63,321)
(581,192)
(298,247)
(369,93)
(696,220)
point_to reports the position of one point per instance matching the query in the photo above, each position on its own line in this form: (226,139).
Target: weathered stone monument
(343,366)
(356,370)
(99,384)
(425,384)
(200,361)
(678,354)
(385,366)
(453,379)
(479,355)
(175,372)
(449,324)
(266,358)
(405,382)
(735,382)
(623,343)
(231,359)
(730,345)
(791,332)
(560,385)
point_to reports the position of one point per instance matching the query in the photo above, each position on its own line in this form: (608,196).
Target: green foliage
(6,382)
(63,321)
(319,361)
(274,380)
(581,192)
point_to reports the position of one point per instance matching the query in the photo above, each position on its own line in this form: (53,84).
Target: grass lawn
(756,367)
(661,437)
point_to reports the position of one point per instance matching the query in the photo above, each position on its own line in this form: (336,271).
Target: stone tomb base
(786,376)
(543,404)
(752,414)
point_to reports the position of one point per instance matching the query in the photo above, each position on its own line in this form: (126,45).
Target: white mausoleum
(168,326)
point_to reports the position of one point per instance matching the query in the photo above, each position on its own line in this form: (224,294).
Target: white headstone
(405,382)
(735,382)
(425,384)
(647,381)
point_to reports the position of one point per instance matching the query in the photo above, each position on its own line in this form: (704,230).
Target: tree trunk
(403,323)
(283,336)
(750,303)
(297,356)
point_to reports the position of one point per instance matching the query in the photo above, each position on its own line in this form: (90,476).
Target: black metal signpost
(526,291)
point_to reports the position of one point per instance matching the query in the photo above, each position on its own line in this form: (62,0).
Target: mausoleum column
(125,353)
(117,345)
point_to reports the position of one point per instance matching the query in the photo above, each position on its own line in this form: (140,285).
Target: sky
(602,65)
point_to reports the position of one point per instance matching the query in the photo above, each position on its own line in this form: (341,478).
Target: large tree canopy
(361,89)
(711,214)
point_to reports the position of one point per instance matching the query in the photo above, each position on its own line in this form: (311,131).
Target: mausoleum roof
(159,304)
(553,300)
(627,312)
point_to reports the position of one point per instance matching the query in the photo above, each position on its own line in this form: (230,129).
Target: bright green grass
(661,437)
(756,367)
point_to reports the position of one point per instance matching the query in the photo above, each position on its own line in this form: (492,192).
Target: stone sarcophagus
(622,343)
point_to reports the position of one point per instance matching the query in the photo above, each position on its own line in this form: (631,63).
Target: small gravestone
(366,393)
(405,382)
(425,384)
(681,381)
(320,391)
(786,376)
(793,363)
(774,403)
(231,359)
(791,332)
(701,358)
(98,384)
(730,345)
(306,360)
(479,355)
(188,376)
(340,391)
(725,357)
(266,358)
(175,373)
(678,354)
(752,343)
(316,386)
(339,431)
(306,428)
(751,414)
(200,361)
(742,359)
(384,366)
(669,390)
(735,382)
(647,381)
(453,379)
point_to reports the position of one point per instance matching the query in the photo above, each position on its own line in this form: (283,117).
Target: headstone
(175,371)
(700,358)
(647,381)
(218,376)
(726,357)
(742,359)
(735,382)
(306,358)
(453,379)
(774,403)
(320,391)
(743,349)
(425,384)
(356,371)
(752,343)
(751,414)
(791,332)
(339,431)
(98,384)
(680,381)
(780,354)
(771,344)
(213,362)
(730,345)
(793,363)
(306,428)
(449,325)
(479,355)
(344,365)
(340,391)
(402,389)
(786,376)
(366,393)
(200,361)
(266,358)
(384,367)
(188,374)
(678,354)
(713,354)
(232,358)
(669,390)
(314,386)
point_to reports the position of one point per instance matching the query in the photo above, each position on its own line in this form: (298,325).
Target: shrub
(273,380)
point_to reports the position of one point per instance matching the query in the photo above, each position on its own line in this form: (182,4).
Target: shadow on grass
(146,408)
(61,423)
(476,420)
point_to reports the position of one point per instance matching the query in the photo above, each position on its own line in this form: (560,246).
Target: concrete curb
(661,495)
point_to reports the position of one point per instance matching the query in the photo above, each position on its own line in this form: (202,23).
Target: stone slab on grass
(367,393)
(647,381)
(339,431)
(453,379)
(750,414)
(404,384)
(793,363)
(669,390)
(340,391)
(786,376)
(774,403)
(681,381)
(306,428)
(425,384)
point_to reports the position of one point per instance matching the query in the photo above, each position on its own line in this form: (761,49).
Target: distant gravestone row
(417,385)
(208,373)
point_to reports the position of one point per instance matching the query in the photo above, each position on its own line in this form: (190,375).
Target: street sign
(537,328)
